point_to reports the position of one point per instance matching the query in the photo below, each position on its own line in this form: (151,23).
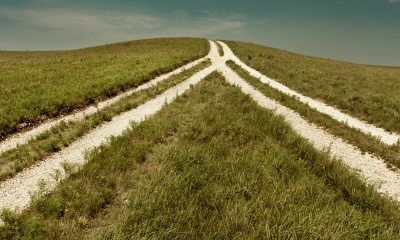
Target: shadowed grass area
(391,154)
(370,93)
(211,165)
(17,159)
(38,85)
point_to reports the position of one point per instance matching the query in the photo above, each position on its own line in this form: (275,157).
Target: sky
(361,31)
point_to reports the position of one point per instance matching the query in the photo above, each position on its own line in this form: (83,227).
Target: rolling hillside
(207,151)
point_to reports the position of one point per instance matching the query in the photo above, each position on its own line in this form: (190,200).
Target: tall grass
(370,93)
(212,165)
(38,85)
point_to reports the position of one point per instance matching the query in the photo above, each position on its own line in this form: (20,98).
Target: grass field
(15,160)
(38,85)
(370,93)
(212,165)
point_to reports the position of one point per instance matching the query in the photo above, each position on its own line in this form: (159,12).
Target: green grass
(38,85)
(370,93)
(17,159)
(212,165)
(391,154)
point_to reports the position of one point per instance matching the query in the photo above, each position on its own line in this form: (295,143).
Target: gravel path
(371,168)
(22,138)
(384,136)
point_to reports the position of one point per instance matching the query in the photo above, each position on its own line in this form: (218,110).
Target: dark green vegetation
(391,154)
(38,85)
(15,160)
(220,49)
(211,165)
(370,93)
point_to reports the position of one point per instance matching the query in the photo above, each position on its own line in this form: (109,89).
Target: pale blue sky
(364,31)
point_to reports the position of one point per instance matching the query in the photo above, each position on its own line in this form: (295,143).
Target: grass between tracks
(38,85)
(391,154)
(15,160)
(370,93)
(220,49)
(212,165)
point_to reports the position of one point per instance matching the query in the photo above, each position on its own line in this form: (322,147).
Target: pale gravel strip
(22,138)
(370,168)
(16,193)
(383,135)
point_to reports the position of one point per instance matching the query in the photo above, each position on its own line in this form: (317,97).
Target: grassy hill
(38,85)
(212,164)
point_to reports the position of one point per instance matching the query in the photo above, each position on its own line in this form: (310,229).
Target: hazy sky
(364,31)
